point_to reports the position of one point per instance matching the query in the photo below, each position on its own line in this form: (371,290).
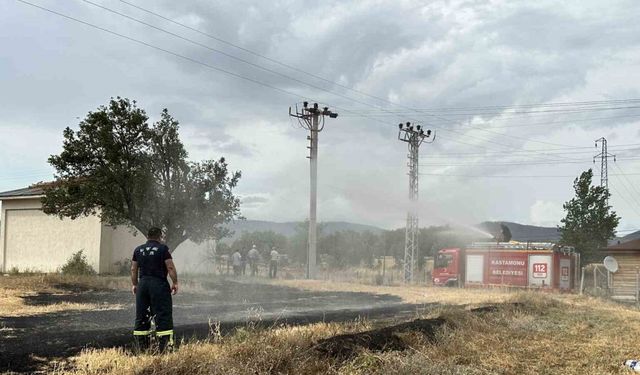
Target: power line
(558,161)
(623,180)
(548,104)
(224,71)
(625,201)
(292,78)
(517,113)
(230,73)
(454,156)
(509,176)
(192,60)
(545,123)
(333,82)
(285,65)
(550,150)
(625,177)
(344,86)
(228,55)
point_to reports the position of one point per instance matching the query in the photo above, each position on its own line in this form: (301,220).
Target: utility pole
(413,136)
(312,119)
(603,155)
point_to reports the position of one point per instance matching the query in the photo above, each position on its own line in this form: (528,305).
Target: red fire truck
(517,264)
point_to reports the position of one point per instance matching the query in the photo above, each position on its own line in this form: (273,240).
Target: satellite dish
(610,263)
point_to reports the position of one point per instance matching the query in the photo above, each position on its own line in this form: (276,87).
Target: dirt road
(29,342)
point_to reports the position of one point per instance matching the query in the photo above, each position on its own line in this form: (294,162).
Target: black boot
(165,343)
(142,343)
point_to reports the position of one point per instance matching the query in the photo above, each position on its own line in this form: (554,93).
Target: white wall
(32,240)
(189,257)
(118,244)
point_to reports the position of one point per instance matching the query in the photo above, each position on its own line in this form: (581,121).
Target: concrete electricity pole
(603,155)
(414,136)
(312,119)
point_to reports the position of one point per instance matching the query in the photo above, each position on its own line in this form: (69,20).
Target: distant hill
(520,232)
(524,233)
(289,228)
(631,237)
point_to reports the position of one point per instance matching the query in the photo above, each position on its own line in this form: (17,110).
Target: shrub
(77,265)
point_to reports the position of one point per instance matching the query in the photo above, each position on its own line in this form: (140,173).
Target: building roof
(629,245)
(32,191)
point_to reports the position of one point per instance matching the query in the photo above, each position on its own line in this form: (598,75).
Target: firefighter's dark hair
(154,233)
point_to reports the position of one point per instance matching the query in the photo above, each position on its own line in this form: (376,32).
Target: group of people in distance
(252,257)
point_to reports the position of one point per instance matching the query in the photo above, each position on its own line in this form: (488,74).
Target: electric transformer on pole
(312,118)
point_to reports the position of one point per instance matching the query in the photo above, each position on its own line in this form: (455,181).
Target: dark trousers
(253,263)
(273,269)
(153,300)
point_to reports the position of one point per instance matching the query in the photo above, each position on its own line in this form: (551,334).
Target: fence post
(582,281)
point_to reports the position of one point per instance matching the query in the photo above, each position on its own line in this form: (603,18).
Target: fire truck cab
(447,267)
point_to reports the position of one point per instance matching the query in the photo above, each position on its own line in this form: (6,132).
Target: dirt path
(29,342)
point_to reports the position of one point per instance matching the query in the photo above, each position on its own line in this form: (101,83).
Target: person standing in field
(253,256)
(236,262)
(150,265)
(243,262)
(273,263)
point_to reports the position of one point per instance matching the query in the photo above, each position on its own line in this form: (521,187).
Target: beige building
(625,282)
(30,240)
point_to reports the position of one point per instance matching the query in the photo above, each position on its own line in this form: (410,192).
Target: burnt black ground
(27,343)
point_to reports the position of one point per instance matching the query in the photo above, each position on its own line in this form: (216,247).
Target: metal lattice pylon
(604,155)
(414,137)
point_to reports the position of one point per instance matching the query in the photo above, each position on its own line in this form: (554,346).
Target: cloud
(253,200)
(436,57)
(546,213)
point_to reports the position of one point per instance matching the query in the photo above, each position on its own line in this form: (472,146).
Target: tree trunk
(174,241)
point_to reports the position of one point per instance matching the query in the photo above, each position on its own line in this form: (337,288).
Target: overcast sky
(459,62)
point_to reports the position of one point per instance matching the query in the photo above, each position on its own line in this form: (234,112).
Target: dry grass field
(15,289)
(409,294)
(540,333)
(528,334)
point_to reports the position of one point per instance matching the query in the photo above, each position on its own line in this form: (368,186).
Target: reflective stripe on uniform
(141,333)
(166,333)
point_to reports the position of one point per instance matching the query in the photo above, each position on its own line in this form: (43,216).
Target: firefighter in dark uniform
(150,265)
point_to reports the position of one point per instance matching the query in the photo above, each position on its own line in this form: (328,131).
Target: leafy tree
(589,221)
(119,167)
(298,244)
